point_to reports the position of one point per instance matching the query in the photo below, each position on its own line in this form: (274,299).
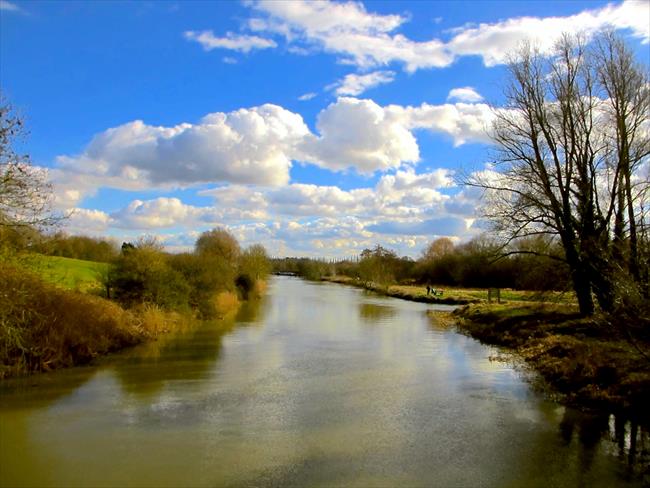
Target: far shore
(406,292)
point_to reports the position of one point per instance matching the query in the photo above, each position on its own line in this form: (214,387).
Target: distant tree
(379,265)
(78,247)
(438,248)
(219,243)
(254,262)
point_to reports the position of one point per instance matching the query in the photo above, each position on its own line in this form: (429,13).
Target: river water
(316,385)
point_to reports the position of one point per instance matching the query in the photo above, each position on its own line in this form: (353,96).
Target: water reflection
(297,390)
(372,313)
(43,389)
(189,354)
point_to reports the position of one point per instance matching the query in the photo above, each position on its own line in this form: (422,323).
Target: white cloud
(465,94)
(257,146)
(297,218)
(494,42)
(348,29)
(158,213)
(164,212)
(87,221)
(235,42)
(247,146)
(464,122)
(367,39)
(353,84)
(362,135)
(321,18)
(229,60)
(402,194)
(307,96)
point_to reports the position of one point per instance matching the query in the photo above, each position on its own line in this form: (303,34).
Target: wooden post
(494,293)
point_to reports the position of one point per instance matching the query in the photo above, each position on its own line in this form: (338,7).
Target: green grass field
(71,274)
(507,295)
(469,294)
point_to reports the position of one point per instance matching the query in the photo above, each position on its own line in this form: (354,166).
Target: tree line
(478,263)
(144,273)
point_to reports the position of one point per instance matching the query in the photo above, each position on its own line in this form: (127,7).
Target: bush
(254,262)
(43,327)
(206,275)
(142,274)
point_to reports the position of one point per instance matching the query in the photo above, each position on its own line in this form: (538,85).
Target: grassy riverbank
(57,312)
(413,293)
(584,361)
(449,295)
(44,326)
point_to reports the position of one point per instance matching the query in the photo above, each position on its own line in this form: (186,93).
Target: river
(315,385)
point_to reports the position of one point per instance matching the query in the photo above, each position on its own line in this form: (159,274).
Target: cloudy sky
(314,128)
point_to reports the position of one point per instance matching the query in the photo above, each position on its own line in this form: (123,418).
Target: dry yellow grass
(44,327)
(225,302)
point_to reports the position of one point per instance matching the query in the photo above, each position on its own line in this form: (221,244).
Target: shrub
(142,274)
(43,327)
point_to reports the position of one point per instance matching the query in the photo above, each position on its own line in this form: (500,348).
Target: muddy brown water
(316,385)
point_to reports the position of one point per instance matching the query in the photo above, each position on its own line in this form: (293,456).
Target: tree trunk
(582,288)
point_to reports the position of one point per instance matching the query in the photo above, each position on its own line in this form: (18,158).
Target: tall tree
(557,171)
(627,87)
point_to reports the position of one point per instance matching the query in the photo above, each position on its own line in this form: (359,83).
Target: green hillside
(72,274)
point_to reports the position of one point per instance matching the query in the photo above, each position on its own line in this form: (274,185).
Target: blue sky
(313,128)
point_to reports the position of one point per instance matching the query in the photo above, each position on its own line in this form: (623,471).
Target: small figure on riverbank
(428,290)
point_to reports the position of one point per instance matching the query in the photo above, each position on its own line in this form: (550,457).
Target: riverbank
(587,362)
(44,327)
(406,292)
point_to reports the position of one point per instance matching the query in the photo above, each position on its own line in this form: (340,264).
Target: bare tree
(627,88)
(25,193)
(557,171)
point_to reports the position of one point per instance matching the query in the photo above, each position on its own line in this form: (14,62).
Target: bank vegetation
(141,292)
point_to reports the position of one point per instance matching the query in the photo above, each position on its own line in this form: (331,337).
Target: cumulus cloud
(367,39)
(258,145)
(234,42)
(493,42)
(163,212)
(307,96)
(248,145)
(87,221)
(362,135)
(464,94)
(402,194)
(158,213)
(353,84)
(464,122)
(362,37)
(403,210)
